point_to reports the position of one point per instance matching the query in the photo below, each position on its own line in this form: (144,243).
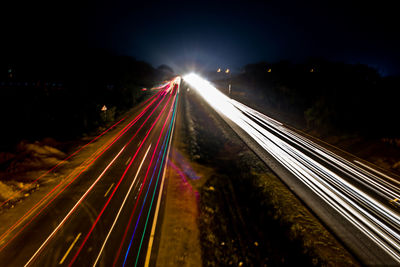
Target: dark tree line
(62,97)
(330,96)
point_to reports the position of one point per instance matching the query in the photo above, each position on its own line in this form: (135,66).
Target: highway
(105,212)
(355,200)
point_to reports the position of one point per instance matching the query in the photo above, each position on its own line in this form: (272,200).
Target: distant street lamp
(219,70)
(227,71)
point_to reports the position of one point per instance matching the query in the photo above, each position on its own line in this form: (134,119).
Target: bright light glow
(214,97)
(352,201)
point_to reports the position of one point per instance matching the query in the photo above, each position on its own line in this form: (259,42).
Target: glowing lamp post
(227,71)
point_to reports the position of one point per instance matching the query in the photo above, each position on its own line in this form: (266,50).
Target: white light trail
(308,162)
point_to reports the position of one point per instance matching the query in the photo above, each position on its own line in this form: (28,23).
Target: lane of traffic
(51,212)
(337,182)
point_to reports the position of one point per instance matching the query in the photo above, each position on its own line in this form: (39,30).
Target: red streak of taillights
(84,170)
(137,200)
(122,132)
(73,154)
(118,184)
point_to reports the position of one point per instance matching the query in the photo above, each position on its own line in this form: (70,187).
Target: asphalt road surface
(105,212)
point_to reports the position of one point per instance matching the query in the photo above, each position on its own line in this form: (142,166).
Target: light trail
(355,193)
(77,151)
(90,160)
(156,212)
(386,189)
(138,197)
(119,182)
(156,184)
(148,188)
(144,201)
(80,201)
(121,207)
(44,202)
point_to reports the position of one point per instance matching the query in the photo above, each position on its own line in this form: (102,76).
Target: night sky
(210,34)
